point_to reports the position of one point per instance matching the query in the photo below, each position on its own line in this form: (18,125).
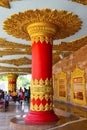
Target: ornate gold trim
(41,97)
(41,31)
(17,24)
(35,107)
(41,82)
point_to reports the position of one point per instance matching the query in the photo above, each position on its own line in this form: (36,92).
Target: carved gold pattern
(41,82)
(35,107)
(78,73)
(66,23)
(84,2)
(42,31)
(5,3)
(41,90)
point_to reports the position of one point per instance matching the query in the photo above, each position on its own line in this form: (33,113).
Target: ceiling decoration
(11,48)
(84,2)
(17,61)
(71,46)
(64,49)
(17,24)
(5,3)
(60,51)
(15,70)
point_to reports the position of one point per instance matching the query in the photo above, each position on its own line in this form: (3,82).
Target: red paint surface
(41,60)
(12,82)
(40,117)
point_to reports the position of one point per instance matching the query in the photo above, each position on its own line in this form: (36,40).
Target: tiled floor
(69,117)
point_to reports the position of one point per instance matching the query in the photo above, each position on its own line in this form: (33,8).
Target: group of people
(15,96)
(20,95)
(4,100)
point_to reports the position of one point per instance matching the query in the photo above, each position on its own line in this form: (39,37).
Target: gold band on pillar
(41,91)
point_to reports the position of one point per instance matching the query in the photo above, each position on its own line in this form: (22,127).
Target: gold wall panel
(62,86)
(78,86)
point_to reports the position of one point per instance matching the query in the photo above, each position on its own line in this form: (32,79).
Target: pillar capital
(40,31)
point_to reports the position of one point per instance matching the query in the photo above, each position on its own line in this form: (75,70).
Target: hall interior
(66,24)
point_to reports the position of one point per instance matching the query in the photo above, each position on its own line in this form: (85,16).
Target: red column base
(41,117)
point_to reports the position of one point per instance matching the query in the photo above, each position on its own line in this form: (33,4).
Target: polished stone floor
(71,117)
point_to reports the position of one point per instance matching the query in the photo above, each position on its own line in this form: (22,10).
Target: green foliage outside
(3,78)
(22,81)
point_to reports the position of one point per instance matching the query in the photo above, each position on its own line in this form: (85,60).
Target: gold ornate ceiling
(17,24)
(84,2)
(15,70)
(17,61)
(5,3)
(11,48)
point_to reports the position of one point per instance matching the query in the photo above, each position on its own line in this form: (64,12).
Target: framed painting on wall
(78,86)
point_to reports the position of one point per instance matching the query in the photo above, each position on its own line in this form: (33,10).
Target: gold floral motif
(84,2)
(65,23)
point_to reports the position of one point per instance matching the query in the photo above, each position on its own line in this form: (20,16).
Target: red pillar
(41,106)
(12,82)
